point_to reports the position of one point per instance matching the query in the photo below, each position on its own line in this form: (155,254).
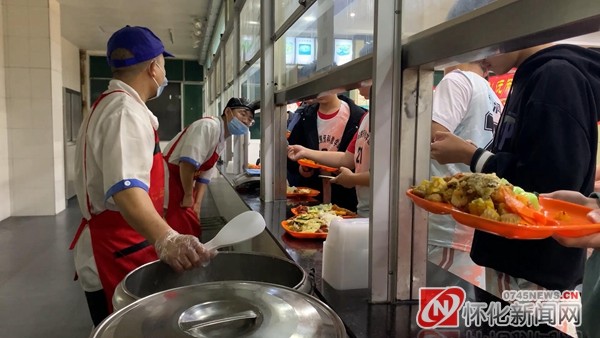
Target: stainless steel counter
(361,318)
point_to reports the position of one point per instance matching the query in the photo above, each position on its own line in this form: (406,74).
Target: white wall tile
(19,113)
(4,188)
(39,52)
(19,83)
(30,143)
(54,20)
(2,76)
(17,52)
(60,200)
(57,86)
(41,113)
(18,3)
(33,202)
(55,55)
(39,23)
(17,21)
(41,83)
(59,169)
(29,173)
(70,65)
(36,3)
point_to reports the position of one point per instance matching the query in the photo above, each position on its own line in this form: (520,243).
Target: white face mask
(161,86)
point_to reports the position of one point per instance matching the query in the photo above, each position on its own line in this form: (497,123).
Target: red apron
(118,248)
(183,219)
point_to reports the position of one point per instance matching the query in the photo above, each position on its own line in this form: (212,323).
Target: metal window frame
(273,143)
(532,22)
(345,77)
(304,5)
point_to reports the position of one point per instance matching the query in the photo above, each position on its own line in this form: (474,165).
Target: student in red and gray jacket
(327,125)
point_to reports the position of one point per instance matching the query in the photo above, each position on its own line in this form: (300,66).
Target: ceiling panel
(88,24)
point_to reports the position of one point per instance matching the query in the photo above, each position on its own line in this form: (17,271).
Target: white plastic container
(346,254)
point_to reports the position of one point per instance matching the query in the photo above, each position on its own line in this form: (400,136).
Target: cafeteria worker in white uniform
(120,176)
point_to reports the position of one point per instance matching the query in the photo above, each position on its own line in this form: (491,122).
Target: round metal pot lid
(224,309)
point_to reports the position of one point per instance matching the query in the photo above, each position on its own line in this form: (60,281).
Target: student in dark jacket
(329,124)
(546,140)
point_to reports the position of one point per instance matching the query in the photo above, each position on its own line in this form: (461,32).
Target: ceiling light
(310,18)
(352,14)
(253,23)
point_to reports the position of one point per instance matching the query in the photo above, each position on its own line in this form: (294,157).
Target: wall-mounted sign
(305,50)
(343,51)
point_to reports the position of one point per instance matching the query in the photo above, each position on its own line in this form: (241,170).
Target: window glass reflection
(249,31)
(329,34)
(283,10)
(421,15)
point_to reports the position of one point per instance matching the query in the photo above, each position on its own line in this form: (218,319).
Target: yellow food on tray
(327,207)
(484,195)
(311,222)
(294,190)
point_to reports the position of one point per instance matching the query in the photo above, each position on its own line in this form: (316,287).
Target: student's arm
(589,241)
(349,179)
(186,174)
(329,158)
(435,127)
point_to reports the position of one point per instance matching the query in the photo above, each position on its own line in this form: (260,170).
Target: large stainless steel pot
(224,309)
(226,266)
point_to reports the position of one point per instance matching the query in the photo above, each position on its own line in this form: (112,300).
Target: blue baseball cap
(140,41)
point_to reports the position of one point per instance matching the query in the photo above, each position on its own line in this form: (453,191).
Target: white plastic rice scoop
(242,227)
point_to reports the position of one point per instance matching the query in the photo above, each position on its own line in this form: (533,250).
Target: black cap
(240,102)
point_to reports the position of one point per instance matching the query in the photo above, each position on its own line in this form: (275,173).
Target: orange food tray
(304,235)
(575,224)
(312,193)
(312,164)
(350,213)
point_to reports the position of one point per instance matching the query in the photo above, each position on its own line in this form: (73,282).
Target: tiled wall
(32,52)
(4,161)
(72,80)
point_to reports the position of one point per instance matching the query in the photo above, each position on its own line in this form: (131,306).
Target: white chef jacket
(120,140)
(201,139)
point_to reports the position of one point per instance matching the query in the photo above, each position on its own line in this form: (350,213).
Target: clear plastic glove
(182,252)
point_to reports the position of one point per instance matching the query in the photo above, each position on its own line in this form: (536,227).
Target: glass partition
(250,89)
(329,34)
(249,31)
(283,10)
(421,15)
(229,57)
(213,85)
(250,82)
(219,75)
